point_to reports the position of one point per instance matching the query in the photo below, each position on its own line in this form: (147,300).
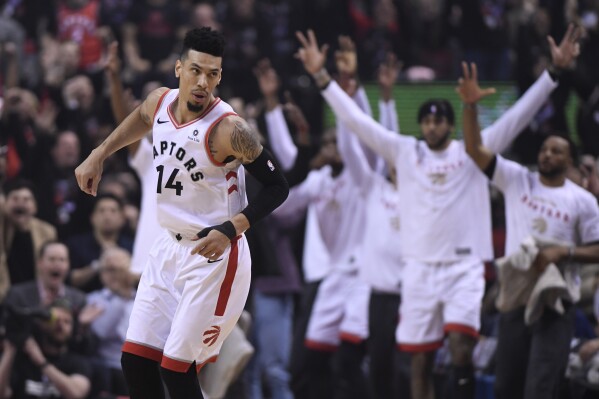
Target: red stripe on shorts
(461,328)
(431,346)
(225,288)
(319,346)
(175,365)
(210,360)
(351,338)
(143,351)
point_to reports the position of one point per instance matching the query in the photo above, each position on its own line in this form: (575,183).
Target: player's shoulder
(156,94)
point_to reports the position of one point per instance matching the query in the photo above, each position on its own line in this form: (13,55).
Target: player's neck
(553,181)
(184,115)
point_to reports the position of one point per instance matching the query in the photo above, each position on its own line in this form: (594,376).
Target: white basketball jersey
(194,190)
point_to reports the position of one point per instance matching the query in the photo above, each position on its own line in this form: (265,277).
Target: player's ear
(178,67)
(220,76)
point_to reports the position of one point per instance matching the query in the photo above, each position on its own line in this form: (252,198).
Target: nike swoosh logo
(161,122)
(214,261)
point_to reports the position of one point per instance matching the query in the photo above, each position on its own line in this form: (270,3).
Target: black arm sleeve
(275,187)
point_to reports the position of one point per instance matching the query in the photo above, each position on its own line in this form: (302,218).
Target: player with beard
(186,305)
(445,215)
(531,360)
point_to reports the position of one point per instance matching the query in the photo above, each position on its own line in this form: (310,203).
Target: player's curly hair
(205,40)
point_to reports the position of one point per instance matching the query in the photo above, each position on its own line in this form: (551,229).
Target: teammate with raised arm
(531,360)
(186,304)
(444,210)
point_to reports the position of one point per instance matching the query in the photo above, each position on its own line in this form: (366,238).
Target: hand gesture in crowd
(113,62)
(268,81)
(387,75)
(346,61)
(90,313)
(468,88)
(312,56)
(562,56)
(298,119)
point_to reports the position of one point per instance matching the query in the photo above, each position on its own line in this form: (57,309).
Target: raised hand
(387,75)
(468,88)
(563,55)
(267,77)
(346,58)
(312,56)
(113,63)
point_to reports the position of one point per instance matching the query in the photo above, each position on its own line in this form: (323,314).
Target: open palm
(468,89)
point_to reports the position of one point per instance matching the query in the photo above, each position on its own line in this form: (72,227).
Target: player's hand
(211,246)
(346,58)
(547,256)
(89,174)
(563,55)
(309,53)
(268,81)
(113,63)
(468,88)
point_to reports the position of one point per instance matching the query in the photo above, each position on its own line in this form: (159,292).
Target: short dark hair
(18,184)
(46,244)
(438,107)
(109,196)
(572,147)
(205,40)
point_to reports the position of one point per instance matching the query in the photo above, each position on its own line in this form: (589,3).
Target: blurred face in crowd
(436,131)
(329,151)
(107,217)
(78,93)
(114,270)
(53,266)
(20,102)
(199,74)
(554,157)
(204,15)
(59,330)
(21,207)
(66,150)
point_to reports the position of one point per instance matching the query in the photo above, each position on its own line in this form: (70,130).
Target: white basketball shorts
(340,311)
(186,305)
(438,298)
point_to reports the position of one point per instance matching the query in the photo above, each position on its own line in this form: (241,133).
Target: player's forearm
(132,129)
(502,132)
(472,138)
(382,141)
(280,138)
(70,387)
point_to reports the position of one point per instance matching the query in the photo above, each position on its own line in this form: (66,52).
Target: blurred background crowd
(62,62)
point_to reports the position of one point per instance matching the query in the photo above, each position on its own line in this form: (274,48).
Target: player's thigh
(421,325)
(354,325)
(464,287)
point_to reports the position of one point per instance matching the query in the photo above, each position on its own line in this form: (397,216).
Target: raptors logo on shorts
(211,335)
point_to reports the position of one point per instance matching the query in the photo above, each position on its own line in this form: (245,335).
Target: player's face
(554,156)
(435,131)
(198,73)
(53,266)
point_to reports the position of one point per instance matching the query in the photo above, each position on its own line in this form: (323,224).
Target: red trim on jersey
(232,188)
(231,175)
(159,104)
(461,328)
(319,346)
(208,131)
(227,284)
(428,347)
(210,360)
(142,350)
(175,365)
(352,338)
(176,124)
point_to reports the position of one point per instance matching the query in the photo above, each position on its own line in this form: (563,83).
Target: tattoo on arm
(245,142)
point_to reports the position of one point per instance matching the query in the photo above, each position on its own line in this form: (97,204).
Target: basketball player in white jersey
(531,361)
(197,279)
(446,230)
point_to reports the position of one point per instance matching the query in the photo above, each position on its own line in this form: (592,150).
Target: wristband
(554,72)
(226,228)
(322,79)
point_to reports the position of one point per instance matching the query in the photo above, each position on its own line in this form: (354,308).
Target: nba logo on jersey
(270,165)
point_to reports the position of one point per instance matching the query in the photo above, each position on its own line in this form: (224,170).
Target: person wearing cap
(445,232)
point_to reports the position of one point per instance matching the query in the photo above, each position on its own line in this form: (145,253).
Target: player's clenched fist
(89,173)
